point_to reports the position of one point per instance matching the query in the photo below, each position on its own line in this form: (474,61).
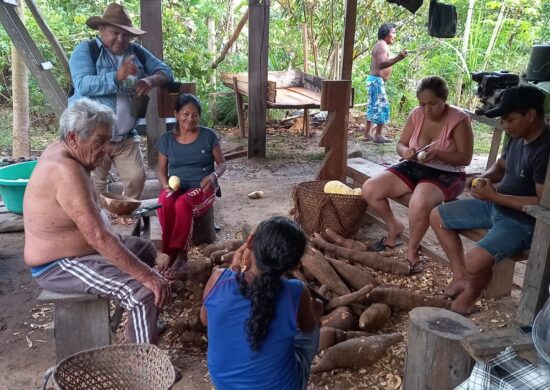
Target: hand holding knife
(421,149)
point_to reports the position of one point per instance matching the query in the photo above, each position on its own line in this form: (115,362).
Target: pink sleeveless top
(445,140)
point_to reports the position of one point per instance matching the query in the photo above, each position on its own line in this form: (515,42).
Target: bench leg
(80,325)
(502,280)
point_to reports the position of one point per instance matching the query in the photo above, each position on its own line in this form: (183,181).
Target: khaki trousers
(127,158)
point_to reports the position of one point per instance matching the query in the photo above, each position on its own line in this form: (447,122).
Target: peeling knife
(421,149)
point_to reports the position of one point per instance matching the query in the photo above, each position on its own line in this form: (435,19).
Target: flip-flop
(415,268)
(381,245)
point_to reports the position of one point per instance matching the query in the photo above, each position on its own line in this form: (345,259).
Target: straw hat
(115,15)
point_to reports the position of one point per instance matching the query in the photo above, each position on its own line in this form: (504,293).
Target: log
(203,228)
(435,359)
(369,259)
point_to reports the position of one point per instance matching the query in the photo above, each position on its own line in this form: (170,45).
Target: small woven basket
(315,211)
(126,366)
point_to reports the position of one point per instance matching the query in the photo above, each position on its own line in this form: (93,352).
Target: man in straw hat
(110,70)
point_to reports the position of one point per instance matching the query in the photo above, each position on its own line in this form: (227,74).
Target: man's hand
(486,192)
(126,69)
(402,54)
(159,285)
(143,86)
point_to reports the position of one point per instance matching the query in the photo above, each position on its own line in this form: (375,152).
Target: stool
(435,359)
(81,321)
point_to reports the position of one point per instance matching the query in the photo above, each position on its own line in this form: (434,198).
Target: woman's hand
(431,155)
(241,259)
(208,183)
(409,153)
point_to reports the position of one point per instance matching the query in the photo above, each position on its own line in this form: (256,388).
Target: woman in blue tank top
(263,329)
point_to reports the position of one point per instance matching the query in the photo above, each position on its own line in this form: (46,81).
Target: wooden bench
(81,321)
(360,169)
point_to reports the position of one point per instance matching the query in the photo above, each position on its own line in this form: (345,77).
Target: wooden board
(484,346)
(295,98)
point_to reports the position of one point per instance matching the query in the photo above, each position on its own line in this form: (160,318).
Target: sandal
(415,268)
(381,245)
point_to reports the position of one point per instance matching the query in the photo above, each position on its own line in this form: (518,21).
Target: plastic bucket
(541,338)
(13,182)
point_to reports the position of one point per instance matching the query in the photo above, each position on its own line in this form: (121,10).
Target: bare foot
(393,232)
(456,287)
(175,269)
(464,303)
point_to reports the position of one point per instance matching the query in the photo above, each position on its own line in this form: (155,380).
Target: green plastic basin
(13,181)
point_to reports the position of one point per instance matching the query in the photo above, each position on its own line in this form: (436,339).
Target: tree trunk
(465,44)
(21,140)
(212,48)
(231,40)
(494,36)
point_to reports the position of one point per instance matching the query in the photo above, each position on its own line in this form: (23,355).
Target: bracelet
(216,175)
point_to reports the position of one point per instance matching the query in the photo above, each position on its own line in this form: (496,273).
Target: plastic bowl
(13,182)
(119,204)
(541,337)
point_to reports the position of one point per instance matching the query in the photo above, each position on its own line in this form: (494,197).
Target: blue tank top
(231,362)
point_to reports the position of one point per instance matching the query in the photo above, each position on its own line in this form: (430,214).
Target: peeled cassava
(174,182)
(337,187)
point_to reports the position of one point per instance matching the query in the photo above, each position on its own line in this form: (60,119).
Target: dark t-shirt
(190,162)
(526,165)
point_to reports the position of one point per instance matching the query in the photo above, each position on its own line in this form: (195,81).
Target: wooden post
(151,21)
(258,46)
(349,40)
(435,359)
(537,273)
(240,110)
(335,97)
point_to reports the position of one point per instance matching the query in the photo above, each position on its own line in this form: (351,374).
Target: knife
(421,149)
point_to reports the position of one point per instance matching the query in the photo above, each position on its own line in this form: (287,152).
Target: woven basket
(315,211)
(127,366)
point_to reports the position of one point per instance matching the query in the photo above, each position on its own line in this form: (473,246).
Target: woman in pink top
(437,176)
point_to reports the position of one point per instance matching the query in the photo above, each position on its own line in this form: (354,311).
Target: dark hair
(385,30)
(435,84)
(279,244)
(186,98)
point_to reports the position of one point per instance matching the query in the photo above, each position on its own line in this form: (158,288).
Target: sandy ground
(26,334)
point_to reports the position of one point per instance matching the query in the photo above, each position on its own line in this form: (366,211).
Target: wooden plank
(258,47)
(287,97)
(32,57)
(306,92)
(286,79)
(313,83)
(537,273)
(484,346)
(240,109)
(53,297)
(496,141)
(151,21)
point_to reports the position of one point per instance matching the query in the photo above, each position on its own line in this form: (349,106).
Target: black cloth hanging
(411,5)
(442,20)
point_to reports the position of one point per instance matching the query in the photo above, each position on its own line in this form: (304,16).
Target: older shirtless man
(378,109)
(68,240)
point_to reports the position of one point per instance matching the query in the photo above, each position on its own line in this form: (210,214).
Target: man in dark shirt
(519,175)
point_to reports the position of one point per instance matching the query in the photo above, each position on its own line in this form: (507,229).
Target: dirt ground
(26,334)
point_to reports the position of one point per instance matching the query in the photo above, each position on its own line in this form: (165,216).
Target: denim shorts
(507,235)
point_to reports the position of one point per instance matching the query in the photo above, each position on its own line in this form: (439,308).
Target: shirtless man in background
(69,243)
(378,108)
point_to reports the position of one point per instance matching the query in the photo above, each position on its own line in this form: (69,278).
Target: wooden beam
(349,40)
(258,46)
(537,273)
(240,109)
(37,65)
(151,21)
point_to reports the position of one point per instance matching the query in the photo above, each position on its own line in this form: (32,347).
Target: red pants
(176,217)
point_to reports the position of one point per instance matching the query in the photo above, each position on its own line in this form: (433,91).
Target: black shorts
(451,183)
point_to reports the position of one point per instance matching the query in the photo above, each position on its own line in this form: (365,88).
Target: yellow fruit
(174,182)
(337,187)
(478,183)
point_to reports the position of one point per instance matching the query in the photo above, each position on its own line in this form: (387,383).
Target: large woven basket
(315,211)
(124,367)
